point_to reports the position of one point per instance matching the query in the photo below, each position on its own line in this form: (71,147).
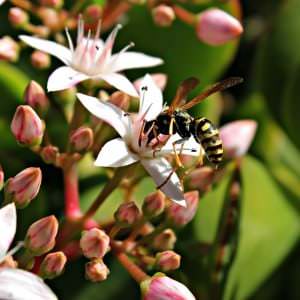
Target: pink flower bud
(165,240)
(92,15)
(52,3)
(24,187)
(50,154)
(201,178)
(94,243)
(216,27)
(180,215)
(1,178)
(121,100)
(35,96)
(27,127)
(160,80)
(127,214)
(163,15)
(17,16)
(82,139)
(154,204)
(40,237)
(161,287)
(53,265)
(40,60)
(167,261)
(96,270)
(9,49)
(237,137)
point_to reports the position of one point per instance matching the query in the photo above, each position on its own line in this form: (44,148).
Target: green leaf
(269,228)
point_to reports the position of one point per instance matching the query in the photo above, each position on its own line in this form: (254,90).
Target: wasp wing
(217,87)
(183,90)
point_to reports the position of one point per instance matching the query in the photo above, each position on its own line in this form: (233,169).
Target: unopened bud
(161,287)
(1,178)
(201,178)
(94,243)
(163,15)
(53,265)
(167,261)
(52,3)
(165,240)
(216,27)
(179,215)
(82,139)
(127,214)
(24,187)
(160,79)
(92,15)
(154,204)
(40,237)
(27,127)
(50,154)
(121,100)
(40,60)
(237,137)
(17,17)
(9,49)
(96,270)
(50,17)
(35,96)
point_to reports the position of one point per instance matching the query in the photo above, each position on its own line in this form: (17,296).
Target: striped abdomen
(208,136)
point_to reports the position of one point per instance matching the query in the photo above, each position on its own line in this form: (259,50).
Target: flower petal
(55,49)
(120,82)
(115,154)
(107,112)
(8,224)
(151,99)
(16,284)
(2,1)
(132,60)
(160,169)
(64,78)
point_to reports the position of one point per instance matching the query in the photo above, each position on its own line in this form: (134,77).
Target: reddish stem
(184,15)
(72,206)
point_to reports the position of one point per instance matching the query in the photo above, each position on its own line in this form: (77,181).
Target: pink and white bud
(18,17)
(40,237)
(163,15)
(154,204)
(52,3)
(201,178)
(1,178)
(216,27)
(40,60)
(160,80)
(50,154)
(165,240)
(9,49)
(27,126)
(96,271)
(179,215)
(167,261)
(51,18)
(94,243)
(127,214)
(82,139)
(24,187)
(92,15)
(53,265)
(35,96)
(161,287)
(237,137)
(120,99)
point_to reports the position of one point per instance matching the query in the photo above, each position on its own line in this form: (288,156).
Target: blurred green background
(266,263)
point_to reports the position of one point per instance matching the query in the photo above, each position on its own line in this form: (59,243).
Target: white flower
(16,284)
(126,150)
(91,59)
(2,1)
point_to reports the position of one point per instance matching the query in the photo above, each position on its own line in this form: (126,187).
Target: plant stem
(72,204)
(184,15)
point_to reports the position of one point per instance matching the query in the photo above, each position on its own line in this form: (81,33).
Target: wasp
(175,119)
